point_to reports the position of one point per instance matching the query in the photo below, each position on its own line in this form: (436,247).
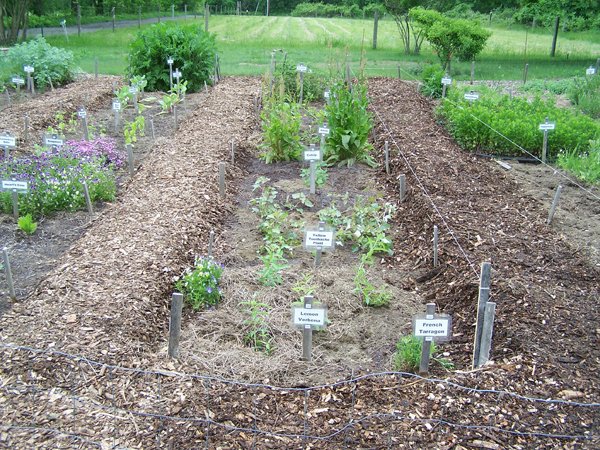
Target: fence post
(375,25)
(486,333)
(436,237)
(206,13)
(484,295)
(175,324)
(554,204)
(222,179)
(78,19)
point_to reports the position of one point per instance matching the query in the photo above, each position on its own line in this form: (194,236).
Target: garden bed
(107,299)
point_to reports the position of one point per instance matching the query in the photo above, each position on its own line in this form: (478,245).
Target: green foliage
(519,120)
(200,284)
(321,174)
(408,353)
(584,166)
(139,81)
(449,37)
(432,81)
(51,64)
(326,10)
(258,335)
(124,96)
(367,292)
(585,94)
(132,129)
(313,84)
(305,286)
(192,49)
(274,263)
(281,122)
(553,86)
(27,224)
(350,124)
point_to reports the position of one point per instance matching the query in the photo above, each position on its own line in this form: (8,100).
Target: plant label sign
(18,81)
(133,90)
(590,70)
(177,74)
(547,126)
(53,141)
(116,105)
(312,154)
(170,60)
(432,327)
(326,95)
(472,96)
(324,131)
(316,239)
(15,186)
(28,69)
(301,68)
(82,113)
(7,141)
(313,317)
(446,81)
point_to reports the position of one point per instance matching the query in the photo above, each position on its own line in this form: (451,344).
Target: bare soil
(106,299)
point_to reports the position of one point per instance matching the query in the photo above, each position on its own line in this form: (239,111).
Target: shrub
(192,49)
(432,81)
(51,64)
(313,84)
(519,120)
(585,94)
(200,284)
(350,124)
(281,122)
(27,224)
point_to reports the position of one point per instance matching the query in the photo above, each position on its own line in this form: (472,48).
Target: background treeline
(574,14)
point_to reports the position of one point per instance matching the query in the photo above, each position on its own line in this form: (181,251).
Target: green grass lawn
(245,44)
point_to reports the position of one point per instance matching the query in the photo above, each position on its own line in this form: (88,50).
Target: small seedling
(27,224)
(258,335)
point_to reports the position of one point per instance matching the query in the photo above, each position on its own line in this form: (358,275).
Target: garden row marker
(222,179)
(175,324)
(172,11)
(301,69)
(170,63)
(320,238)
(446,81)
(486,335)
(471,96)
(211,241)
(472,72)
(130,159)
(386,153)
(116,107)
(436,237)
(53,140)
(152,127)
(26,129)
(430,326)
(175,115)
(348,76)
(7,142)
(134,91)
(113,19)
(232,152)
(554,204)
(307,318)
(545,127)
(63,24)
(399,76)
(7,96)
(88,200)
(8,272)
(83,116)
(96,67)
(525,73)
(15,187)
(375,23)
(402,183)
(312,155)
(18,82)
(30,84)
(205,86)
(323,131)
(590,70)
(480,357)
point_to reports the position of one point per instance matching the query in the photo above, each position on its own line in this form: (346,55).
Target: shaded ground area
(107,299)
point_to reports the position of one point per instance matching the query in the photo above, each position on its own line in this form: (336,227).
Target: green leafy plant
(27,224)
(585,94)
(200,284)
(124,96)
(281,122)
(132,129)
(585,166)
(367,292)
(305,286)
(408,353)
(313,84)
(51,64)
(350,124)
(192,49)
(321,174)
(274,263)
(139,81)
(432,81)
(258,335)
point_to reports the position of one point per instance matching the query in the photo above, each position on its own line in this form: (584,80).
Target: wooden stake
(402,180)
(175,324)
(232,152)
(435,245)
(484,295)
(319,252)
(486,334)
(211,243)
(399,76)
(8,272)
(525,73)
(426,348)
(554,204)
(175,115)
(88,200)
(222,179)
(15,204)
(375,26)
(301,86)
(386,151)
(313,177)
(152,127)
(96,67)
(472,71)
(307,333)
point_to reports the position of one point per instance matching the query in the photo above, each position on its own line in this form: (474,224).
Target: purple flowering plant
(55,176)
(200,284)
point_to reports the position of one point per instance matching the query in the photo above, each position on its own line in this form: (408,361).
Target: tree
(13,18)
(450,38)
(399,9)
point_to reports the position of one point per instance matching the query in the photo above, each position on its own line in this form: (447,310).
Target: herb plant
(274,263)
(258,335)
(321,174)
(200,284)
(585,166)
(281,122)
(367,292)
(408,353)
(27,224)
(132,129)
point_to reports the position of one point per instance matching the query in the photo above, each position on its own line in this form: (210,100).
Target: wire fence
(72,398)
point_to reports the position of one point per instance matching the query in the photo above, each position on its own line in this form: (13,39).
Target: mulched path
(107,299)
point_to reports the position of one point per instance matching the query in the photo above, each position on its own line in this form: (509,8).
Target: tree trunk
(16,13)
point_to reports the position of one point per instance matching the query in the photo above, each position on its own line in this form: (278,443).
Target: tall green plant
(281,122)
(350,124)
